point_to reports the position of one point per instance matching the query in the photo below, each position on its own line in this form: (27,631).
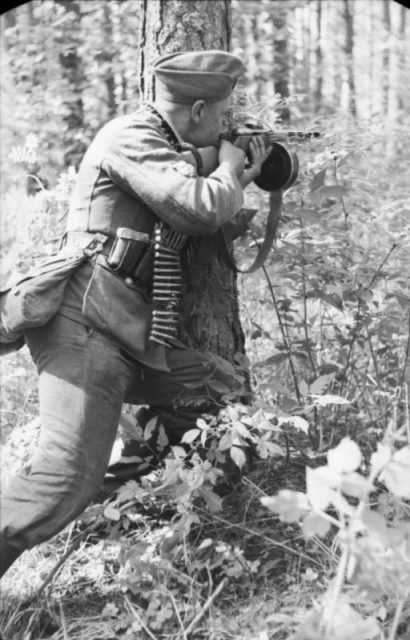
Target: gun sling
(275,201)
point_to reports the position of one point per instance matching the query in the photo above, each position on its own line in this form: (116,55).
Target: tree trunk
(402,56)
(386,54)
(319,58)
(73,75)
(107,57)
(281,68)
(210,315)
(349,41)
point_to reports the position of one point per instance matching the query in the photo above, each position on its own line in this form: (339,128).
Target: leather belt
(86,240)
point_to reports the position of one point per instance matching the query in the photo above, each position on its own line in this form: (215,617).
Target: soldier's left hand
(258,152)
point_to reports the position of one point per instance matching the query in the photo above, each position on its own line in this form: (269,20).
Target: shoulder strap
(275,208)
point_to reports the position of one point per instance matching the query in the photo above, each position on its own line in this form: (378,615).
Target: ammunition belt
(166,284)
(167,272)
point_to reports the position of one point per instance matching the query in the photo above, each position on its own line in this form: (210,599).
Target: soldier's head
(194,89)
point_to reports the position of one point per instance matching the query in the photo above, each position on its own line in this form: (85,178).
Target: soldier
(114,339)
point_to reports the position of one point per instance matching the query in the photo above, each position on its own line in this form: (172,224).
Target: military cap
(188,76)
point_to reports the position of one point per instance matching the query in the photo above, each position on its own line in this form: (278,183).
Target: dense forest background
(326,322)
(67,66)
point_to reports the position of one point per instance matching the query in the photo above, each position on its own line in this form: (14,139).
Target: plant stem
(359,320)
(329,612)
(133,612)
(206,606)
(396,619)
(305,314)
(275,543)
(282,330)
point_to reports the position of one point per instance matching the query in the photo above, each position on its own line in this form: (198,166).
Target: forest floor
(259,583)
(240,574)
(126,570)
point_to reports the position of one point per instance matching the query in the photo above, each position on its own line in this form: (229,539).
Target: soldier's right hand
(233,156)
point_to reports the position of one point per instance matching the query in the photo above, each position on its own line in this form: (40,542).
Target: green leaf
(296,421)
(226,441)
(328,398)
(266,449)
(318,489)
(318,180)
(179,452)
(396,474)
(277,358)
(321,383)
(213,501)
(344,458)
(353,484)
(110,610)
(347,623)
(376,524)
(190,436)
(289,505)
(218,386)
(315,525)
(129,491)
(150,427)
(112,514)
(238,456)
(380,458)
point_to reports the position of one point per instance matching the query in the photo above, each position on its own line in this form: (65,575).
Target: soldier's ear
(197,110)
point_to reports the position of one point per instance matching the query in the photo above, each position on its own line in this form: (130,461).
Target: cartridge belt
(166,284)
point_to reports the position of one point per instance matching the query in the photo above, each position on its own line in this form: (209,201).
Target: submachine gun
(278,173)
(280,169)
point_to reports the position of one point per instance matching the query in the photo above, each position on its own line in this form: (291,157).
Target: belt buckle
(96,245)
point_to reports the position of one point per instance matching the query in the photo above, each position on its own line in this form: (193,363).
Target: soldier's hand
(258,153)
(234,157)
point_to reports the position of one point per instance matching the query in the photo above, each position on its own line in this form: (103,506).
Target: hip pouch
(30,300)
(120,310)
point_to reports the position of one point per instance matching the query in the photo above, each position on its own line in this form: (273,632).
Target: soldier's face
(210,120)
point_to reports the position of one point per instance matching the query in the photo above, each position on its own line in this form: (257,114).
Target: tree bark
(107,57)
(210,314)
(73,75)
(319,58)
(386,54)
(349,43)
(280,48)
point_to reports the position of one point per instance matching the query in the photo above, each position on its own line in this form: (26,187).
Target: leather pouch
(30,300)
(121,311)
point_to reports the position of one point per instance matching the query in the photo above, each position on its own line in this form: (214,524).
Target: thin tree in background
(386,53)
(280,52)
(348,49)
(318,87)
(106,55)
(73,75)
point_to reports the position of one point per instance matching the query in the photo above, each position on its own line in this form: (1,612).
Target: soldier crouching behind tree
(114,339)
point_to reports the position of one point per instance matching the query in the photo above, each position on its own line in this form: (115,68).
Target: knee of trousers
(34,512)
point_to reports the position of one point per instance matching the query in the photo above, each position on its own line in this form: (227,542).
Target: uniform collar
(165,122)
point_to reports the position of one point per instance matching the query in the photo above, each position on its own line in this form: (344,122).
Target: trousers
(84,378)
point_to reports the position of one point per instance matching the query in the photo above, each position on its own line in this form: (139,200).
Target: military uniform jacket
(132,176)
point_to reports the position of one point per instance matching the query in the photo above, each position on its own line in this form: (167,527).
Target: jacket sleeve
(139,160)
